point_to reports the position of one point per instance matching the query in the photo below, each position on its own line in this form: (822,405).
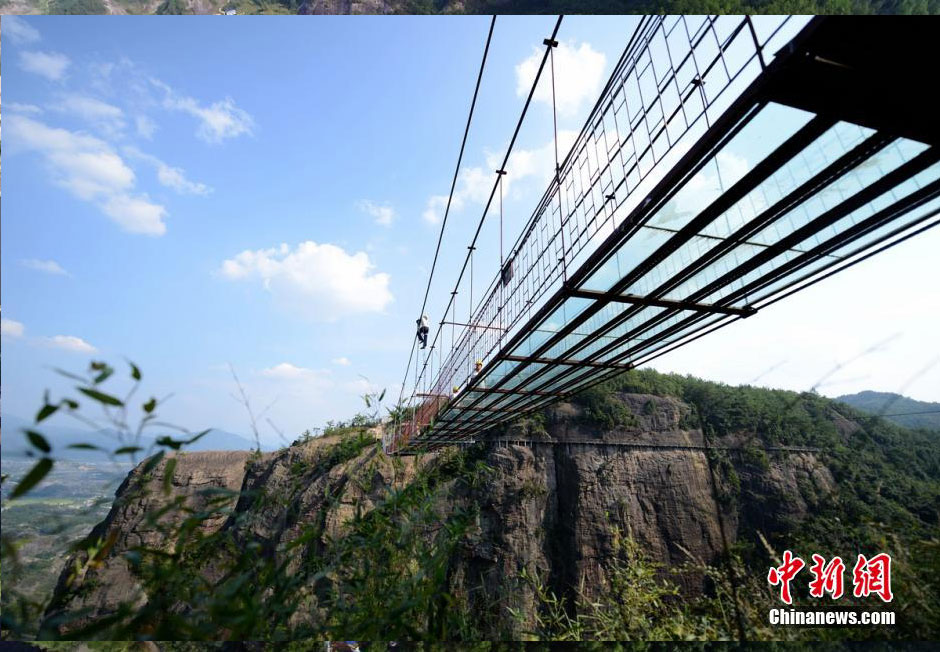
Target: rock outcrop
(100,583)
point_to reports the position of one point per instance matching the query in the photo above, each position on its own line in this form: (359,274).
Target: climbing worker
(423,331)
(455,392)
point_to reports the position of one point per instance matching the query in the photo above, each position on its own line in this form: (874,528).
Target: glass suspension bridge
(653,234)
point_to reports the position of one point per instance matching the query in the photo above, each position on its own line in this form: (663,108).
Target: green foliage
(174,7)
(638,603)
(884,472)
(532,489)
(756,457)
(602,408)
(21,610)
(77,7)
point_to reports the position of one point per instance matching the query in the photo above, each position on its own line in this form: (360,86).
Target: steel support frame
(902,206)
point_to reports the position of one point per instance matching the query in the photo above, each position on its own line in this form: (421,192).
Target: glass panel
(580,372)
(837,192)
(767,130)
(764,133)
(824,150)
(882,201)
(866,240)
(523,375)
(555,371)
(468,398)
(637,248)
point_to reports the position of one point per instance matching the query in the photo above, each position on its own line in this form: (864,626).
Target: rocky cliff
(557,493)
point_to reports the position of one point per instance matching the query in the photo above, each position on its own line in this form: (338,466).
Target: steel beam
(612,297)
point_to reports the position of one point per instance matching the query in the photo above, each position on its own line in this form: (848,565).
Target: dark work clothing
(423,336)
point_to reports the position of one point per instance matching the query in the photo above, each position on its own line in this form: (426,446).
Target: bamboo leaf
(101,397)
(85,447)
(38,441)
(31,479)
(168,474)
(152,462)
(47,411)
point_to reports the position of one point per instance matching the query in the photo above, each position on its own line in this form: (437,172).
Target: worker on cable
(423,331)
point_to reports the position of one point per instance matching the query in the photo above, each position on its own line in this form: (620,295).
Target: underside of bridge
(728,163)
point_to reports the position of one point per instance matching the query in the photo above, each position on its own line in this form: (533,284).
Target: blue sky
(194,192)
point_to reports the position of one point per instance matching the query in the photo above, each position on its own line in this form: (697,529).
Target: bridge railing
(676,76)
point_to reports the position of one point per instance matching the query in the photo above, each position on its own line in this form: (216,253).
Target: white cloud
(176,179)
(288,371)
(105,116)
(578,76)
(136,214)
(47,266)
(538,163)
(342,362)
(19,31)
(322,280)
(383,214)
(92,171)
(11,328)
(475,184)
(70,343)
(218,121)
(51,65)
(171,177)
(360,386)
(145,127)
(19,107)
(85,165)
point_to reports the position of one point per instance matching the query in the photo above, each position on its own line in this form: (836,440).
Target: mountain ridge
(899,409)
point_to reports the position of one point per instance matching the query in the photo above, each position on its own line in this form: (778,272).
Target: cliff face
(557,507)
(548,506)
(100,583)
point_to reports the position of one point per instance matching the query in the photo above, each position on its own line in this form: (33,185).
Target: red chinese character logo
(827,578)
(873,576)
(784,573)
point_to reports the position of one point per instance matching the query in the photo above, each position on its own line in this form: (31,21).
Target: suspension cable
(509,149)
(450,197)
(552,44)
